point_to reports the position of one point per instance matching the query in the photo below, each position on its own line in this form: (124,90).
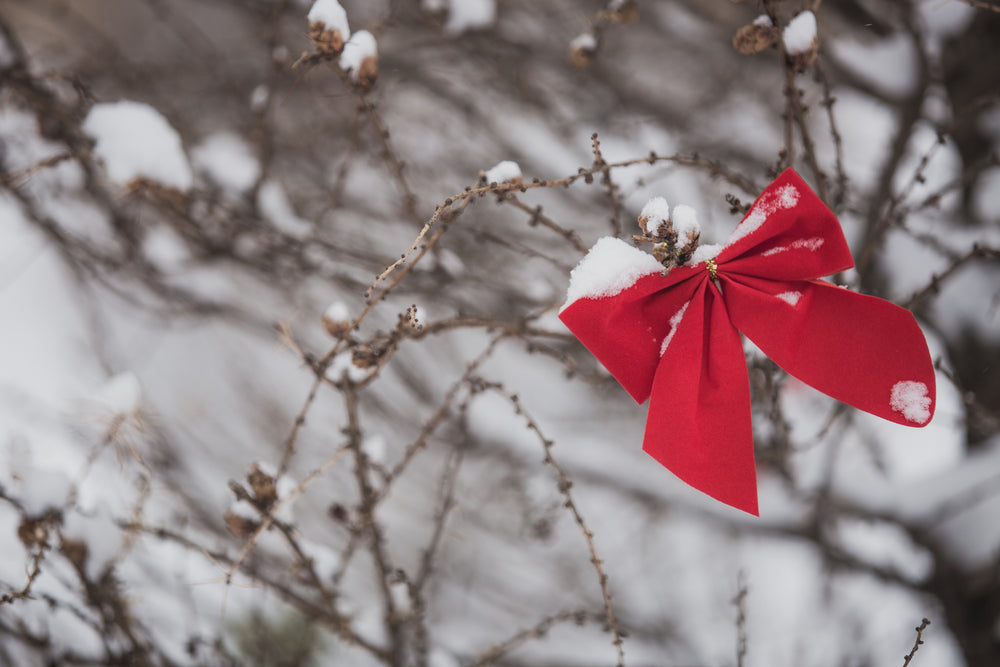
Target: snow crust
(134,140)
(912,400)
(610,267)
(331,15)
(506,171)
(800,33)
(360,46)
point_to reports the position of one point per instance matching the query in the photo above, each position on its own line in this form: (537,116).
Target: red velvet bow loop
(676,338)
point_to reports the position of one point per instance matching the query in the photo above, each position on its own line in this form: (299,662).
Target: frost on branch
(136,142)
(801,42)
(360,59)
(328,28)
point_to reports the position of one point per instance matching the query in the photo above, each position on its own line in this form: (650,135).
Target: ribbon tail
(699,411)
(864,351)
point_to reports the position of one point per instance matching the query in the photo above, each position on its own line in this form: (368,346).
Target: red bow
(677,337)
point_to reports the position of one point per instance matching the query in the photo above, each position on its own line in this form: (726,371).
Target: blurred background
(223,441)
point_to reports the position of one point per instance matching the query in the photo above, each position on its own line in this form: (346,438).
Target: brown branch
(916,644)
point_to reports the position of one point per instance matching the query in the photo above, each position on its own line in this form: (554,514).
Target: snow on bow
(676,339)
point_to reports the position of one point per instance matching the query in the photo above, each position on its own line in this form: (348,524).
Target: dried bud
(240,525)
(75,551)
(263,484)
(582,50)
(328,28)
(754,38)
(328,42)
(337,320)
(624,12)
(801,41)
(33,533)
(368,72)
(365,357)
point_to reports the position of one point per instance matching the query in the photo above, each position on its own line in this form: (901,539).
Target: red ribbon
(676,339)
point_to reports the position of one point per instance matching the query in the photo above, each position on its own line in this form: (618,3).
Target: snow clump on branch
(360,59)
(136,142)
(801,42)
(328,27)
(507,171)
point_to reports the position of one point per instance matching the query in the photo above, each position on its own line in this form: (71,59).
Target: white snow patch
(705,252)
(763,21)
(360,46)
(101,535)
(227,160)
(284,487)
(244,509)
(470,15)
(654,212)
(685,220)
(120,396)
(791,298)
(675,320)
(507,171)
(134,140)
(259,97)
(912,400)
(583,42)
(331,15)
(338,312)
(610,267)
(800,33)
(813,244)
(40,488)
(274,205)
(325,561)
(344,363)
(766,206)
(374,448)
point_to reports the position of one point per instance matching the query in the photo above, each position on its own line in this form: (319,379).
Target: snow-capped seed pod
(263,483)
(654,219)
(801,41)
(360,59)
(624,12)
(328,28)
(757,36)
(685,223)
(582,50)
(242,519)
(336,319)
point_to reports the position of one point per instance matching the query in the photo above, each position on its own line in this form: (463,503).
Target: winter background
(228,437)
